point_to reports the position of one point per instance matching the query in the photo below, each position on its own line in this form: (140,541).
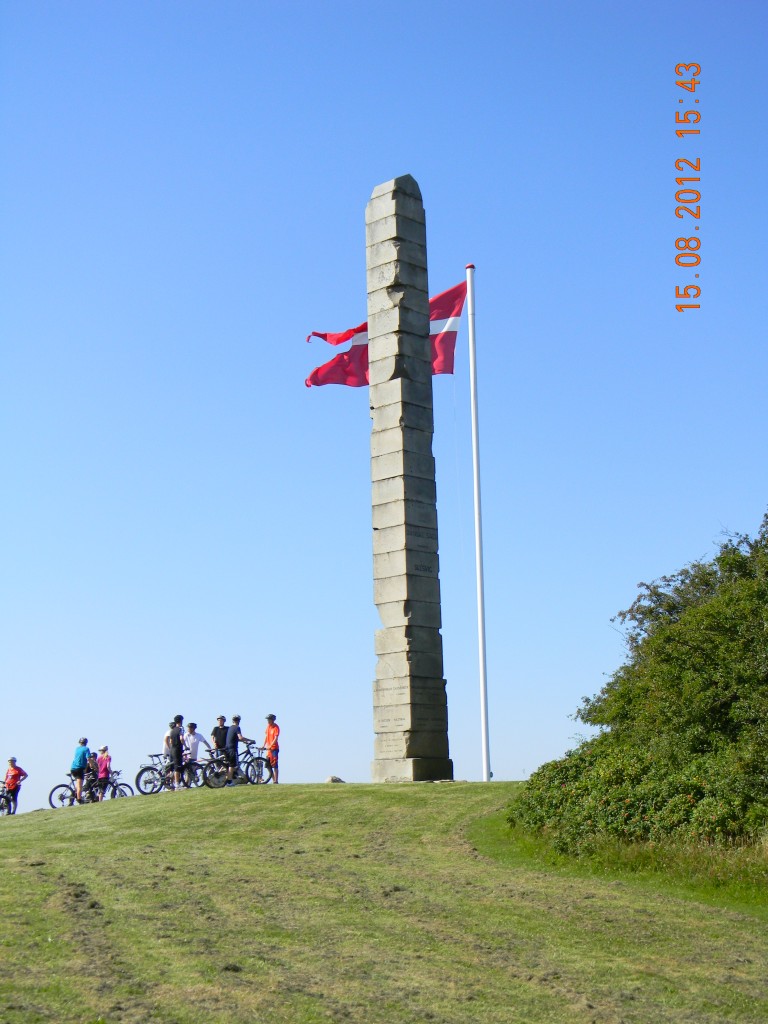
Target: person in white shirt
(193,739)
(167,741)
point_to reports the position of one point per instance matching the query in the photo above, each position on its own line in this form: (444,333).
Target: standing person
(219,733)
(79,764)
(104,767)
(271,737)
(167,741)
(234,736)
(90,779)
(13,780)
(193,739)
(176,746)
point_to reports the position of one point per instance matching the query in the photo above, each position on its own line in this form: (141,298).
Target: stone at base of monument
(412,769)
(419,743)
(410,690)
(406,717)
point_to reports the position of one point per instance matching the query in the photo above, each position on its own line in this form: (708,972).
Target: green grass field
(351,903)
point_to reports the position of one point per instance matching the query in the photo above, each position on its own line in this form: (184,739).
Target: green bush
(683,751)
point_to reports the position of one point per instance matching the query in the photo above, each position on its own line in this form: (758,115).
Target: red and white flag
(351,367)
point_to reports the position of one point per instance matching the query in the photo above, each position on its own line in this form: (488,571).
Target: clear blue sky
(186,527)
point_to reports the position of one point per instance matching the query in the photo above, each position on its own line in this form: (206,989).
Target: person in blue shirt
(79,762)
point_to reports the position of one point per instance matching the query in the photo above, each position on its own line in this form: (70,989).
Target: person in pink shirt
(104,762)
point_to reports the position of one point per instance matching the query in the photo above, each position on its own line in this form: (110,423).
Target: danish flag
(351,367)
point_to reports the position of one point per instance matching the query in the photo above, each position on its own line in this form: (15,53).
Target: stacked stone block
(409,700)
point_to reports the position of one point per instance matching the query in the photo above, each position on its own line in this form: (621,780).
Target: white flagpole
(478,522)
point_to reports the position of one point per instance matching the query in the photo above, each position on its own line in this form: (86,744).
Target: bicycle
(116,788)
(257,767)
(153,777)
(65,794)
(5,800)
(159,775)
(216,769)
(251,768)
(192,773)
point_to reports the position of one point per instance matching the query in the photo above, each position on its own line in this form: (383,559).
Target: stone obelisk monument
(409,701)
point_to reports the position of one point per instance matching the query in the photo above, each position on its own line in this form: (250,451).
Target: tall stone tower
(409,700)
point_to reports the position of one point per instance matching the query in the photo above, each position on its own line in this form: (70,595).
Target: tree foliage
(683,746)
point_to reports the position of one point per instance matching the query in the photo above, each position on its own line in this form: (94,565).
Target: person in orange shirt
(271,744)
(13,780)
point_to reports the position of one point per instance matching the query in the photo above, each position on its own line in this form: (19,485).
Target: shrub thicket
(683,750)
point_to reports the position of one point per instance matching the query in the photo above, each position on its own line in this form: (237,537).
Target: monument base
(412,769)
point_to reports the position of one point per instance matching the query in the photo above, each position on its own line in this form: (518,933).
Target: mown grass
(734,876)
(302,904)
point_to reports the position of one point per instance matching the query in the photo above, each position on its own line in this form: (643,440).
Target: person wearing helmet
(234,737)
(13,780)
(91,779)
(104,767)
(192,741)
(219,733)
(271,743)
(176,747)
(79,764)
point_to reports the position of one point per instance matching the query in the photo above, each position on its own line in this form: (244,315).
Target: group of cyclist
(180,746)
(90,770)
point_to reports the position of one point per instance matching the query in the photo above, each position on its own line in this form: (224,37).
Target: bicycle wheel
(192,776)
(125,789)
(215,775)
(149,780)
(259,771)
(62,796)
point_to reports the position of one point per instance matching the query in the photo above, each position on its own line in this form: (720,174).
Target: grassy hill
(370,904)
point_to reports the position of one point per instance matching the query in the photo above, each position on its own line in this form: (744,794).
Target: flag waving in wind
(351,367)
